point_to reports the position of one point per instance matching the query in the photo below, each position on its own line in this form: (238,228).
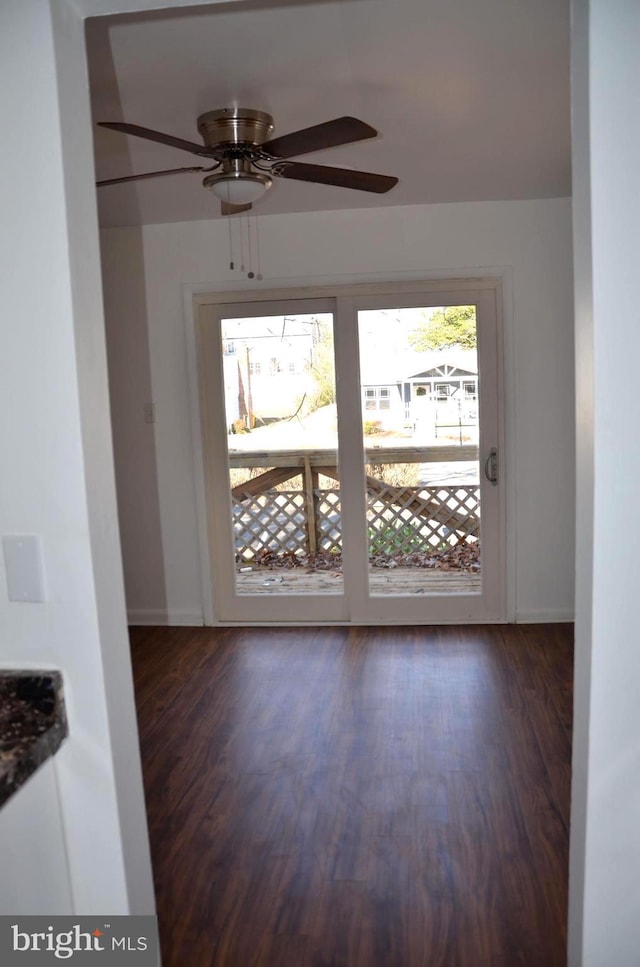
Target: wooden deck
(397,580)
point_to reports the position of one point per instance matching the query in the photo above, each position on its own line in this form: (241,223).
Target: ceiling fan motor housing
(233,125)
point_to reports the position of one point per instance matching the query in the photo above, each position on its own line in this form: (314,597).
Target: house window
(255,368)
(469,391)
(377,398)
(292,367)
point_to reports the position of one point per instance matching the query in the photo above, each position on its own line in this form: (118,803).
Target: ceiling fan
(245,161)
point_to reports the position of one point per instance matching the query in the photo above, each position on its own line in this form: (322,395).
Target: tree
(449,326)
(321,367)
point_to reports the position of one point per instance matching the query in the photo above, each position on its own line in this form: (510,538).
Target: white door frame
(490,286)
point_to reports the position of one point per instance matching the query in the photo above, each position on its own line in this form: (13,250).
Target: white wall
(57,479)
(33,854)
(604,912)
(145,272)
(583,287)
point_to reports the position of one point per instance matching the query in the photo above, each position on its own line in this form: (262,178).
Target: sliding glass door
(351,456)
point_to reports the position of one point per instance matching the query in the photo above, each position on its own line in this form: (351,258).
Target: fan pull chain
(231,262)
(240,220)
(249,246)
(259,276)
(250,274)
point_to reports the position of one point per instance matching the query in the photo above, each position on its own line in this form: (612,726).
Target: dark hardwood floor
(388,797)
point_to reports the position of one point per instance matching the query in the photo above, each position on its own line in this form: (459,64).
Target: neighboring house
(447,374)
(382,388)
(393,393)
(267,366)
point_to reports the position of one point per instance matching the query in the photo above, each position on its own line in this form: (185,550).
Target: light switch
(23,566)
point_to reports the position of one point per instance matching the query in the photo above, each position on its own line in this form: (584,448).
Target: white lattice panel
(406,519)
(400,520)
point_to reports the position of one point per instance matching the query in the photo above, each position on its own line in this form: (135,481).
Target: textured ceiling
(471,97)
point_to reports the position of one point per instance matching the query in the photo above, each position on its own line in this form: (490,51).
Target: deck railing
(271,520)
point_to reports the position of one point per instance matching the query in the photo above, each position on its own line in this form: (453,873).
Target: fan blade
(226,208)
(327,135)
(342,177)
(150,135)
(149,174)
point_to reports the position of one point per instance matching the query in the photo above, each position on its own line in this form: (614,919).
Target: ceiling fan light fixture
(238,187)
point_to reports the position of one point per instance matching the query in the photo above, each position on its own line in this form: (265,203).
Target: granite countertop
(33,724)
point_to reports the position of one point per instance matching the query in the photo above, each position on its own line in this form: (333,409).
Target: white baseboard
(195,619)
(544,617)
(164,618)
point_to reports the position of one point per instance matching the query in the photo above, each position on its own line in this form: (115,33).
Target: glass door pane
(419,382)
(282,448)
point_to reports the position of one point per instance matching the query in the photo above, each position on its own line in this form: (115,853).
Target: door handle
(491,466)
